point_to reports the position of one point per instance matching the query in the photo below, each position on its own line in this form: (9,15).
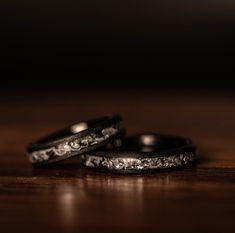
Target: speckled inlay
(119,163)
(71,146)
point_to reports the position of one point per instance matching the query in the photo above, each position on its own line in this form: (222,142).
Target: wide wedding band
(143,153)
(76,139)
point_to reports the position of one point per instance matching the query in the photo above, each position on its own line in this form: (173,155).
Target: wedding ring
(76,139)
(143,153)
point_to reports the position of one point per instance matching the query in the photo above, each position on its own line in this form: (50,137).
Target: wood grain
(70,198)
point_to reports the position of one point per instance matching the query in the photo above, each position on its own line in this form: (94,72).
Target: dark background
(166,42)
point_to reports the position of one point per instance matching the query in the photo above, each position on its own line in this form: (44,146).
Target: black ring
(143,153)
(76,139)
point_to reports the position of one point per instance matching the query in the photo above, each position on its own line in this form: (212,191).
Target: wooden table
(69,198)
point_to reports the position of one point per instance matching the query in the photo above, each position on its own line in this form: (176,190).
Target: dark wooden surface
(68,198)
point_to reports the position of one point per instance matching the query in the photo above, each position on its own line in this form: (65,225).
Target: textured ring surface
(76,139)
(143,153)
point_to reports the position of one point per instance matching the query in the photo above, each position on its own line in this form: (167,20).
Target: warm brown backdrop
(68,198)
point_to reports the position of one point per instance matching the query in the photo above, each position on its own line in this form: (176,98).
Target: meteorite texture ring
(76,139)
(143,153)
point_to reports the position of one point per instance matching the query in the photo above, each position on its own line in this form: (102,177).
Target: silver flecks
(72,146)
(119,163)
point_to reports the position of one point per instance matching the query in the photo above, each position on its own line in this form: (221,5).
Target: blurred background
(80,59)
(164,42)
(112,56)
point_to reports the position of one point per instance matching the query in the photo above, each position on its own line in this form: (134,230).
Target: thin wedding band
(76,139)
(143,153)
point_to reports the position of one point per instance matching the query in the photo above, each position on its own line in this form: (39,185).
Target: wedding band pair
(101,145)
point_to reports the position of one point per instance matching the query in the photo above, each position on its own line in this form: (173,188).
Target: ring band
(143,153)
(76,139)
